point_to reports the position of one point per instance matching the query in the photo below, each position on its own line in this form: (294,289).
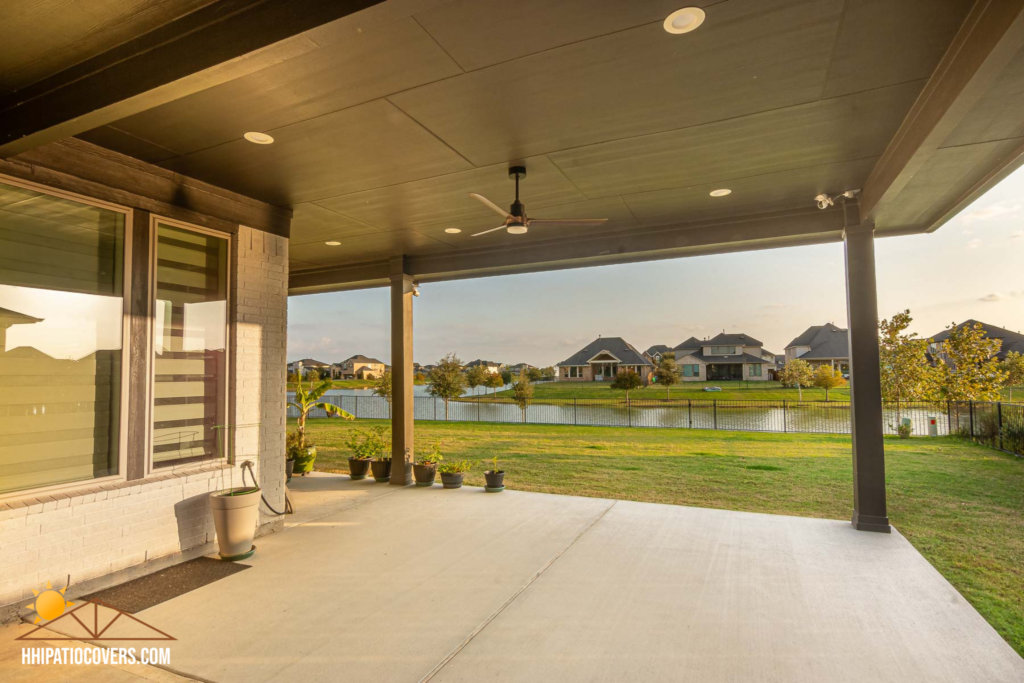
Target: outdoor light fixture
(415,289)
(258,138)
(720,193)
(452,231)
(333,243)
(824,201)
(684,20)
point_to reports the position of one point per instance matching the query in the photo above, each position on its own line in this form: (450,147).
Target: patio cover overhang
(387,114)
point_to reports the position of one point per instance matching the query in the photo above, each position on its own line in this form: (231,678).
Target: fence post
(714,404)
(575,421)
(435,409)
(999,408)
(689,412)
(629,413)
(949,418)
(970,407)
(356,411)
(478,411)
(785,416)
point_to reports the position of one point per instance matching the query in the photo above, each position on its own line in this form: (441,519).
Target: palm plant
(305,401)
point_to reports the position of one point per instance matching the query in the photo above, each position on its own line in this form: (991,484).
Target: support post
(869,506)
(401,374)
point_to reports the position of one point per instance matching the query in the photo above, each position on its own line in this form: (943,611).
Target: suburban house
(360,367)
(489,365)
(1011,341)
(655,353)
(519,367)
(306,364)
(723,357)
(822,345)
(601,360)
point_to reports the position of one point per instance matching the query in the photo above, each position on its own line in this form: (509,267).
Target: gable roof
(724,339)
(310,361)
(485,363)
(658,348)
(691,343)
(617,346)
(360,358)
(9,317)
(825,341)
(1012,341)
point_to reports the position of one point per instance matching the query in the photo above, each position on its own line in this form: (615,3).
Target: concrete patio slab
(411,584)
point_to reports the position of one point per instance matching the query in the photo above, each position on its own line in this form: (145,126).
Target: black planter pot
(357,469)
(495,481)
(451,480)
(381,470)
(425,474)
(289,469)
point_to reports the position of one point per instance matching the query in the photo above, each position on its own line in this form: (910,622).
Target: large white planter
(234,516)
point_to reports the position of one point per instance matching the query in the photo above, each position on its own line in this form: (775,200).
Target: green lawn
(961,505)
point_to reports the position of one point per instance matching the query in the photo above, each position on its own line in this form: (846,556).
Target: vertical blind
(190,346)
(61,317)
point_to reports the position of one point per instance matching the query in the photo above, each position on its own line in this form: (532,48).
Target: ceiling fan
(516,222)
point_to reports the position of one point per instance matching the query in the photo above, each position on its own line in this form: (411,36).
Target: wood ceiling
(382,128)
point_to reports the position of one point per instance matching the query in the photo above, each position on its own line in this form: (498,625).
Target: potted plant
(362,454)
(234,518)
(451,473)
(304,454)
(291,444)
(425,468)
(495,477)
(380,441)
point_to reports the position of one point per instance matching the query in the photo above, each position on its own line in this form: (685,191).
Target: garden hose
(247,466)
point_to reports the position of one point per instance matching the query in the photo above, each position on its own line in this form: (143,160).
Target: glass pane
(189,345)
(61,311)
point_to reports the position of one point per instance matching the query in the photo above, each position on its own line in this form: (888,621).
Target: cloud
(992,298)
(1017,235)
(974,244)
(775,306)
(990,213)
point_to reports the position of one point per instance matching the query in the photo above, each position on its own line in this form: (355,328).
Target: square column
(869,510)
(401,374)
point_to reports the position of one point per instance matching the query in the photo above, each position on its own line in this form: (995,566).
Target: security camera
(824,201)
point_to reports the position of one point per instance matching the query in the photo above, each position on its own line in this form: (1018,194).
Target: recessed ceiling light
(452,231)
(333,243)
(720,193)
(258,138)
(684,20)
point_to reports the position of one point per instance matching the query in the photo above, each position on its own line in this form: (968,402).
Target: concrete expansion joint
(494,615)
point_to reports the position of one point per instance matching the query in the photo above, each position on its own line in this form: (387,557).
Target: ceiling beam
(991,35)
(216,43)
(746,233)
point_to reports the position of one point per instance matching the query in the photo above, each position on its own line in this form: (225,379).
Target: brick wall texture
(87,532)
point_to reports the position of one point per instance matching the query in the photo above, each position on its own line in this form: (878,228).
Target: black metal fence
(1000,425)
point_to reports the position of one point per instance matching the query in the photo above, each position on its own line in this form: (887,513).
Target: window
(62,303)
(723,350)
(190,321)
(755,370)
(691,371)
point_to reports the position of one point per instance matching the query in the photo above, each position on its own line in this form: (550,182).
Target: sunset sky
(973,267)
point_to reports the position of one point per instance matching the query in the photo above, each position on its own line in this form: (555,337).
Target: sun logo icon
(49,603)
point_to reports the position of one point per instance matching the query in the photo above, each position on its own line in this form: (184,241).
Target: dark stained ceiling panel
(446,198)
(312,223)
(635,82)
(366,248)
(864,55)
(841,129)
(366,146)
(999,114)
(360,67)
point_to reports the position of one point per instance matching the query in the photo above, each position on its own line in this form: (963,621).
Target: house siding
(690,360)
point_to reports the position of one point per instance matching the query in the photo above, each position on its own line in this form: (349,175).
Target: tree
(627,381)
(476,376)
(548,372)
(382,387)
(522,392)
(447,380)
(905,371)
(535,374)
(313,375)
(827,377)
(506,377)
(1013,366)
(970,371)
(493,382)
(667,373)
(797,373)
(306,400)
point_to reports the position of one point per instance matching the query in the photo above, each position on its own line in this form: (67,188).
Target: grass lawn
(961,505)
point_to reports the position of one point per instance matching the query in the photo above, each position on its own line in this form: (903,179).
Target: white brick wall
(98,529)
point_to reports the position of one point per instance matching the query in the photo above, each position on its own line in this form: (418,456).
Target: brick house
(822,345)
(725,357)
(489,365)
(601,360)
(360,367)
(306,364)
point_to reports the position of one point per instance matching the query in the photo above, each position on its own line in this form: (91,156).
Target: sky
(972,267)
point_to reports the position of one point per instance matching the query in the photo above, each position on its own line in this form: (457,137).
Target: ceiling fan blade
(491,205)
(500,227)
(580,222)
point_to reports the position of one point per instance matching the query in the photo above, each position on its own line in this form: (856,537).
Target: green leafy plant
(370,444)
(797,373)
(667,372)
(431,458)
(455,467)
(291,445)
(308,399)
(627,381)
(493,462)
(493,382)
(476,376)
(827,377)
(904,430)
(522,393)
(447,380)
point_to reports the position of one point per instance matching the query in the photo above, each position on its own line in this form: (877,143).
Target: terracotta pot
(425,474)
(234,518)
(495,481)
(357,469)
(381,470)
(451,480)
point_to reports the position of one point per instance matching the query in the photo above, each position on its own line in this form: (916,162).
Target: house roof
(658,348)
(310,361)
(691,343)
(617,346)
(360,358)
(724,339)
(826,341)
(485,363)
(1012,341)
